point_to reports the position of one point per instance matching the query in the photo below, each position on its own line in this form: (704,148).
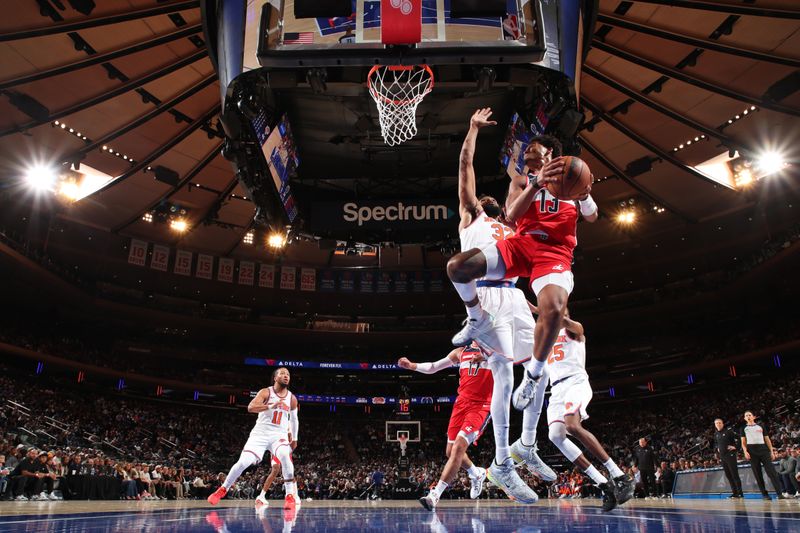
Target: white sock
(475,312)
(595,474)
(263,495)
(612,468)
(535,368)
(439,489)
(467,291)
(503,374)
(473,471)
(289,487)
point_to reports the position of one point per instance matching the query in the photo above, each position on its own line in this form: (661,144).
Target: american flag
(304,37)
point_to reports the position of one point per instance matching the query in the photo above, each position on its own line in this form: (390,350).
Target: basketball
(574,180)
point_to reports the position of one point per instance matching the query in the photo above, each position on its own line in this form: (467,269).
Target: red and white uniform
(470,414)
(272,426)
(570,391)
(513,321)
(544,243)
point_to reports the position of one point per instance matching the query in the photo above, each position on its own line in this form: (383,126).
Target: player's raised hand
(403,362)
(480,118)
(551,172)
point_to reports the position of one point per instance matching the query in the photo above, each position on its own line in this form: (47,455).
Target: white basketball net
(403,443)
(397,91)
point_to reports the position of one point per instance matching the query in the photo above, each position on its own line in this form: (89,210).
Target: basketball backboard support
(274,38)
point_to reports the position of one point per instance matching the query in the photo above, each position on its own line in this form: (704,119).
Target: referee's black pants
(729,466)
(760,456)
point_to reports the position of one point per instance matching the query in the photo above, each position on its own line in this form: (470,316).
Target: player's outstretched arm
(575,328)
(451,360)
(468,205)
(259,403)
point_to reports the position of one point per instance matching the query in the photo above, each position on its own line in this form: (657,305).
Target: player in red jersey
(469,417)
(541,249)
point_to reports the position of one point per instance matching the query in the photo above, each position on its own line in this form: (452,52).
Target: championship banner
(346,281)
(247,270)
(308,279)
(400,282)
(266,276)
(183,263)
(401,21)
(418,281)
(367,282)
(384,282)
(137,253)
(327,281)
(205,266)
(225,270)
(160,258)
(287,277)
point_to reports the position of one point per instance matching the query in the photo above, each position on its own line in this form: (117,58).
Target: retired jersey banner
(400,282)
(225,270)
(287,277)
(247,271)
(327,281)
(160,258)
(266,276)
(183,263)
(308,279)
(138,252)
(384,282)
(205,266)
(418,281)
(367,282)
(346,281)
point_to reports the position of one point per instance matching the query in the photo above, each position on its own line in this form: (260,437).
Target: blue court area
(549,516)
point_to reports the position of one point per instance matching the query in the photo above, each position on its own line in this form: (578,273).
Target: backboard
(275,38)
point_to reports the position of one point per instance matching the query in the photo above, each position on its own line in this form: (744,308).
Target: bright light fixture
(41,177)
(69,190)
(626,217)
(277,240)
(248,237)
(770,162)
(179,225)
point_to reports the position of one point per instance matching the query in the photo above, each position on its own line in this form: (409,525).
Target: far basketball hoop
(403,440)
(397,91)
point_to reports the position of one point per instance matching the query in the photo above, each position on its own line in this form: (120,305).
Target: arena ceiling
(134,76)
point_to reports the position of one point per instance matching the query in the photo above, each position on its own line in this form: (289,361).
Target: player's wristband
(534,181)
(588,206)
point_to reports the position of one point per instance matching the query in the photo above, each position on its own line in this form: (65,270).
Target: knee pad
(284,455)
(558,436)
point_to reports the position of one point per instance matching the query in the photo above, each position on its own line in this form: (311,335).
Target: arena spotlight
(41,178)
(276,240)
(770,162)
(69,190)
(626,217)
(179,225)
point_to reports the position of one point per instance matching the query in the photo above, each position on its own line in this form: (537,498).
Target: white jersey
(567,358)
(484,231)
(274,420)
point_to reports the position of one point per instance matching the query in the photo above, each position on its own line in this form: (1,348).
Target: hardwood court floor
(671,516)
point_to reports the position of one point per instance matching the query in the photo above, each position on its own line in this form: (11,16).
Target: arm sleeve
(294,423)
(432,368)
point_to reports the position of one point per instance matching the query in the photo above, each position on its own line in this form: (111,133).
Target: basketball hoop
(397,91)
(403,440)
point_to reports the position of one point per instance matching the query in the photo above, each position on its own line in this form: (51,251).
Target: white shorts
(513,321)
(567,397)
(561,279)
(259,443)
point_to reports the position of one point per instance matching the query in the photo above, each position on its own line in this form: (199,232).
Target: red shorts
(527,256)
(470,418)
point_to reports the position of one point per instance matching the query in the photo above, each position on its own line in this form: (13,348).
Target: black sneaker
(766,497)
(609,499)
(623,488)
(739,496)
(782,497)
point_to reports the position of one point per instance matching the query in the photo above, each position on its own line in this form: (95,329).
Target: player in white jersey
(275,430)
(570,395)
(512,337)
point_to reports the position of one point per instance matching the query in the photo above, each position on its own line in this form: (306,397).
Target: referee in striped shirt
(758,449)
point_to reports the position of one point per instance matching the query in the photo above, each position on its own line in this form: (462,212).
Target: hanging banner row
(264,275)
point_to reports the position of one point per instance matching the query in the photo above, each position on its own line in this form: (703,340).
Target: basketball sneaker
(429,501)
(505,477)
(217,495)
(261,501)
(623,488)
(290,502)
(609,499)
(473,328)
(476,484)
(522,454)
(524,393)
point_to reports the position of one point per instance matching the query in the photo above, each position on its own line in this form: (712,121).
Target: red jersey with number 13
(475,378)
(550,220)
